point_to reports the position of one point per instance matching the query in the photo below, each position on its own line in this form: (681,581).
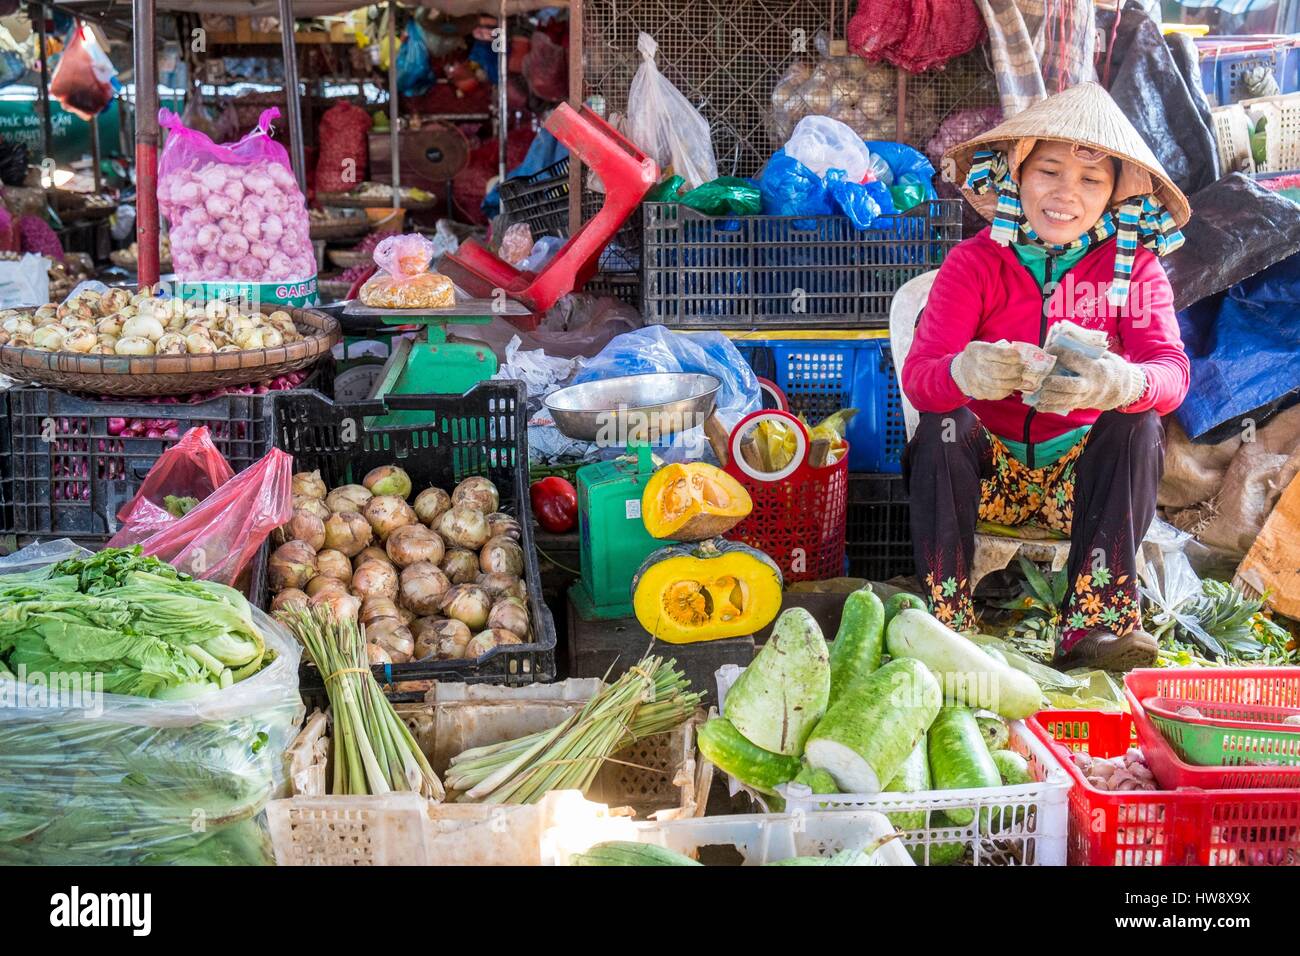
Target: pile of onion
(428,574)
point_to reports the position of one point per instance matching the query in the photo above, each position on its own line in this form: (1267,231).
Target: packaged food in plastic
(517,243)
(95,778)
(82,81)
(404,280)
(235,212)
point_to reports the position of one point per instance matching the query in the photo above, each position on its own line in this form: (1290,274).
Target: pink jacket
(983,292)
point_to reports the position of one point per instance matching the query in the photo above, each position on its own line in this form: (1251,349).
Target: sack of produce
(235,212)
(344,150)
(404,280)
(145,717)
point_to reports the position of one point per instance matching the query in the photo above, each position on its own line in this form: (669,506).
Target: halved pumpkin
(706,591)
(693,502)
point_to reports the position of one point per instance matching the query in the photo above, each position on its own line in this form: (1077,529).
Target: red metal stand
(627,174)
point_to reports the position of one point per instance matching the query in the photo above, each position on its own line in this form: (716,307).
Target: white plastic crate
(757,838)
(1027,824)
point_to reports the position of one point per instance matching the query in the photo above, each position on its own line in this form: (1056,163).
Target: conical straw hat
(1083,114)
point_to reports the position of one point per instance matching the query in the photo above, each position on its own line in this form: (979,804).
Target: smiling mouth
(1055,216)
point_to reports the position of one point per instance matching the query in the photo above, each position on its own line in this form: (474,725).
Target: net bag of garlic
(404,280)
(235,212)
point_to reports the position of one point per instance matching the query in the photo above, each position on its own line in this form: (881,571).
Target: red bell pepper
(555,503)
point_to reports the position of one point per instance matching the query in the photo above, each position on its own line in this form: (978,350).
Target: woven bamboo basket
(174,374)
(348,258)
(371,201)
(124,260)
(340,228)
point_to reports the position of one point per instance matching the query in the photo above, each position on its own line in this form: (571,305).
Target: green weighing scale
(633,411)
(429,364)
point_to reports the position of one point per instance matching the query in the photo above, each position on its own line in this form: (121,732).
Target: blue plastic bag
(414,68)
(863,203)
(789,188)
(906,161)
(657,349)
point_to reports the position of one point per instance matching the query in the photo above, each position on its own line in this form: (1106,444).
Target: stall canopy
(303,9)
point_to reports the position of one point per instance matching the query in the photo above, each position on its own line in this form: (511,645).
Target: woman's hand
(987,371)
(1101,383)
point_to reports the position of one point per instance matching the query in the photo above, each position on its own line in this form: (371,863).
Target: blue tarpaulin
(1244,345)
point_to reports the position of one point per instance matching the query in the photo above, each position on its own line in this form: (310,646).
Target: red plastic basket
(799,512)
(1163,827)
(1264,686)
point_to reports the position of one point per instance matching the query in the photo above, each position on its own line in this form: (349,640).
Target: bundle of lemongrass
(651,698)
(374,752)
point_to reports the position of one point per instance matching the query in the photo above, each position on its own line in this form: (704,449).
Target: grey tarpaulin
(1146,83)
(305,9)
(1238,228)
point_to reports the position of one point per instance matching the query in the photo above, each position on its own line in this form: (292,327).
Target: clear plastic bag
(823,144)
(106,779)
(218,537)
(664,123)
(235,213)
(404,280)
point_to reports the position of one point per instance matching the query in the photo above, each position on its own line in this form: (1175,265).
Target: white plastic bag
(822,143)
(663,122)
(24,282)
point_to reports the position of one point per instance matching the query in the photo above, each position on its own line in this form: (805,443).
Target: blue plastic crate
(820,376)
(1225,64)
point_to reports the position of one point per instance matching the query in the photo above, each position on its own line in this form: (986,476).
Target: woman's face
(1064,190)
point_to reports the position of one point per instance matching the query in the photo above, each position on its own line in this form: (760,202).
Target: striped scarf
(1138,219)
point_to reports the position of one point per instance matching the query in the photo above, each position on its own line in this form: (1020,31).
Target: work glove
(1102,383)
(987,370)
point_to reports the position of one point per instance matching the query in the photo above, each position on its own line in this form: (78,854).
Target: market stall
(639,579)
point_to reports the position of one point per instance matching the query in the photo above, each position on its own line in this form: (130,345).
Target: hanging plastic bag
(823,144)
(789,188)
(217,538)
(664,123)
(82,82)
(414,68)
(235,212)
(403,280)
(191,468)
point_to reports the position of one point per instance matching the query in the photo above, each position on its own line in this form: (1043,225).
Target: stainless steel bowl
(634,407)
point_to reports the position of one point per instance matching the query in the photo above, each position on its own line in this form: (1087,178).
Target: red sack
(81,82)
(191,468)
(344,138)
(217,539)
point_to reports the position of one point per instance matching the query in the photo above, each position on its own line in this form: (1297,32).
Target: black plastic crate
(482,432)
(69,467)
(541,200)
(777,272)
(878,539)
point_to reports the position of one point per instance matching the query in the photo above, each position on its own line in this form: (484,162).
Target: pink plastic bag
(404,280)
(191,468)
(235,211)
(82,80)
(217,539)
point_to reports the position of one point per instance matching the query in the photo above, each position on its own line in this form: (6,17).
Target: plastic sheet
(1148,87)
(1238,228)
(217,539)
(106,779)
(664,123)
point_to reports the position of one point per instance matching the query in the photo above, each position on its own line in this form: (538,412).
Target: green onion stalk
(374,752)
(651,698)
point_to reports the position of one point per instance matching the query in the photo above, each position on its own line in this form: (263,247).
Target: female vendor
(1080,209)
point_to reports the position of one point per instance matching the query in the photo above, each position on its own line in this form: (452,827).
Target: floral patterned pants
(1102,493)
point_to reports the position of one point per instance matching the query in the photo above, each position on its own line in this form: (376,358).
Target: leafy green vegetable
(179,507)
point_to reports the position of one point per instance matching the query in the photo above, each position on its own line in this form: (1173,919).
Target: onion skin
(303,526)
(292,565)
(343,605)
(347,498)
(373,579)
(509,614)
(500,585)
(478,493)
(387,513)
(461,566)
(308,484)
(334,564)
(443,639)
(467,603)
(464,527)
(485,641)
(502,556)
(394,637)
(313,506)
(289,597)
(422,587)
(347,532)
(371,552)
(501,524)
(414,543)
(388,480)
(376,608)
(322,582)
(377,655)
(431,504)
